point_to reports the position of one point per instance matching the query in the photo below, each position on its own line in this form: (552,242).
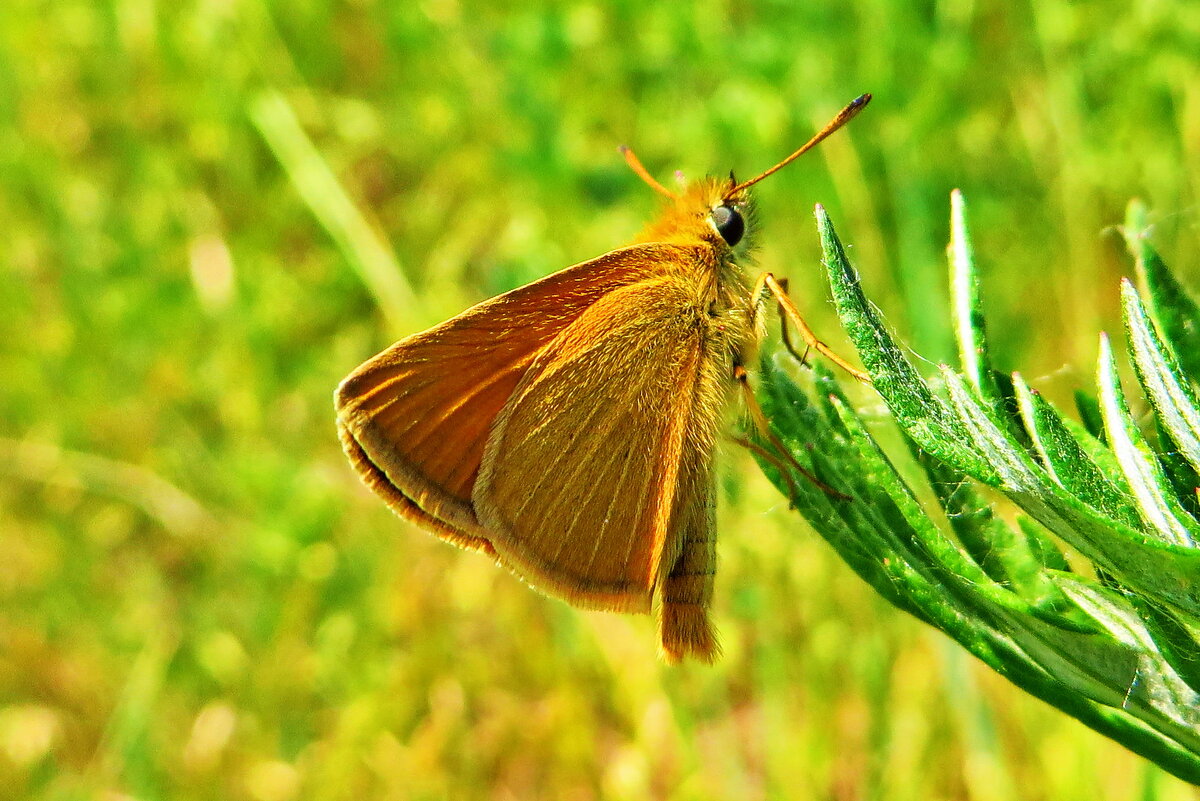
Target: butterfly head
(707,210)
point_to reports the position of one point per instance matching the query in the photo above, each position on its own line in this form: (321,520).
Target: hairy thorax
(717,282)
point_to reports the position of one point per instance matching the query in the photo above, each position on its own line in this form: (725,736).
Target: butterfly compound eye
(729,223)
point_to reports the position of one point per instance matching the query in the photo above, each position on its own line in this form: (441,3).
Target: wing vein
(475,391)
(561,486)
(608,515)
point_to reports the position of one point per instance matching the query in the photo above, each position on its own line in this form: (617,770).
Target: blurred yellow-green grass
(214,209)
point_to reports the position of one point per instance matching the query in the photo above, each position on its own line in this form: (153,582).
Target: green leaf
(1168,574)
(1154,691)
(969,327)
(1067,462)
(1120,651)
(1177,643)
(1169,391)
(1089,414)
(1160,510)
(1065,658)
(924,417)
(1176,312)
(1049,555)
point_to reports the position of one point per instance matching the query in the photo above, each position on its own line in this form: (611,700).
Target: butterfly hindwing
(599,467)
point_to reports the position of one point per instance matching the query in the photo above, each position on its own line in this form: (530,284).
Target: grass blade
(363,246)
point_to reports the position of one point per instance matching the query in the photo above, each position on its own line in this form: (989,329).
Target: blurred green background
(214,209)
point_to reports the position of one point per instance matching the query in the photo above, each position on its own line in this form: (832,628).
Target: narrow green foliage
(1064,458)
(1167,388)
(363,246)
(924,416)
(1175,310)
(969,326)
(1089,414)
(1161,512)
(1118,652)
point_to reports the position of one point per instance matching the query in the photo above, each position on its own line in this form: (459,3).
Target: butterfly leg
(784,472)
(759,418)
(789,313)
(784,335)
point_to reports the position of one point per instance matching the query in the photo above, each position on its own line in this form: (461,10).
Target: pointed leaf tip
(1169,391)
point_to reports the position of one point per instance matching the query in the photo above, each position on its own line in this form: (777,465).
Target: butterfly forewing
(414,419)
